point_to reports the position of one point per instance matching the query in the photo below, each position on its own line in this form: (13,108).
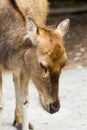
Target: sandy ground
(73,98)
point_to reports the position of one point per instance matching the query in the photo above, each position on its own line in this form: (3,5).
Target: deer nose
(54,107)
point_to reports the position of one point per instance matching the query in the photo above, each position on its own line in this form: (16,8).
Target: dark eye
(42,66)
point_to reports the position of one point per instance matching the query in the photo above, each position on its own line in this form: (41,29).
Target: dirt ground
(75,40)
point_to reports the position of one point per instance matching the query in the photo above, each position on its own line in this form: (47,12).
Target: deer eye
(43,67)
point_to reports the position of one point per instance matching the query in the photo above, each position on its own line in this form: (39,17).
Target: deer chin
(45,106)
(44,103)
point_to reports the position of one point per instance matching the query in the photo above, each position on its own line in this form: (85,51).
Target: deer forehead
(53,57)
(49,40)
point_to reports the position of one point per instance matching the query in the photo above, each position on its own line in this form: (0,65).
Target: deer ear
(63,27)
(31,30)
(31,26)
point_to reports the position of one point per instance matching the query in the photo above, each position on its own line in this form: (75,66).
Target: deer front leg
(1,105)
(1,92)
(18,115)
(24,80)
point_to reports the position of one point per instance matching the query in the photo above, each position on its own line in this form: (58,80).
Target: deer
(29,49)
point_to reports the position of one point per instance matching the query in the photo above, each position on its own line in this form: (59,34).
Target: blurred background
(76,39)
(67,3)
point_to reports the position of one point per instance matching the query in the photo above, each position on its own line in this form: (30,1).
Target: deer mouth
(51,107)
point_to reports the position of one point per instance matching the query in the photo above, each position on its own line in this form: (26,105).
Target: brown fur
(40,10)
(42,61)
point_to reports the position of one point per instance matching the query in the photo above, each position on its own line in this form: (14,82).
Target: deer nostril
(54,107)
